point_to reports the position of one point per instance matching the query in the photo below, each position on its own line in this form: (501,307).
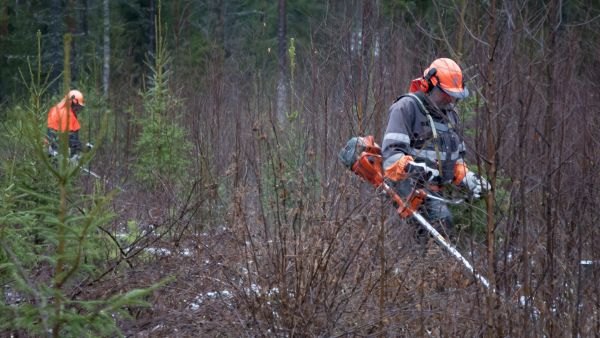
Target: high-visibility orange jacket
(58,116)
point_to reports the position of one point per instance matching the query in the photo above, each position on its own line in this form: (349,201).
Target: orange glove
(397,171)
(460,171)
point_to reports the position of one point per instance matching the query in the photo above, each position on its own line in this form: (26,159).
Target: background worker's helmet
(76,97)
(446,74)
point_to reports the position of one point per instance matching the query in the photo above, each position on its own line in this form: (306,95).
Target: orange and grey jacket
(57,122)
(410,136)
(58,117)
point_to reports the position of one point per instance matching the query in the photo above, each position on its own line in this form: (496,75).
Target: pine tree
(162,148)
(50,238)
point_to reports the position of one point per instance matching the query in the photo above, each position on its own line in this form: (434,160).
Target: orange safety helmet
(76,97)
(445,74)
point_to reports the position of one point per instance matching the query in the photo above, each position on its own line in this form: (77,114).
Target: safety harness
(433,130)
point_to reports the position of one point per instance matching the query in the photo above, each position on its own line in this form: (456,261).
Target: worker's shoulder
(406,103)
(58,107)
(53,110)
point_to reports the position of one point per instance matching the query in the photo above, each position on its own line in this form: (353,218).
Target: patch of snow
(215,294)
(522,300)
(158,251)
(195,305)
(254,288)
(11,297)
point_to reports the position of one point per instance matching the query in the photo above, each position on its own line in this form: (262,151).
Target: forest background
(221,207)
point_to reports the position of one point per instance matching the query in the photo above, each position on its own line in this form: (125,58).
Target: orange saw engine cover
(363,156)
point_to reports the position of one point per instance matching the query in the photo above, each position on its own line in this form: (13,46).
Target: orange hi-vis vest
(58,118)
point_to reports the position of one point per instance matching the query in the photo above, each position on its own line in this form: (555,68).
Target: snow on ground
(158,251)
(11,297)
(195,305)
(161,252)
(254,289)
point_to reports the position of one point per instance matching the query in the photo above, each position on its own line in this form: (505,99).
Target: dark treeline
(222,208)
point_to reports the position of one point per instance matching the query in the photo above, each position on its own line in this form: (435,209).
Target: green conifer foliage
(162,149)
(51,245)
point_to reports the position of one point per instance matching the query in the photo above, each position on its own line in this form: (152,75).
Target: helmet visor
(456,92)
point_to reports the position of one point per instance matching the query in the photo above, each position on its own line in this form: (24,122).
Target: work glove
(52,152)
(421,171)
(476,184)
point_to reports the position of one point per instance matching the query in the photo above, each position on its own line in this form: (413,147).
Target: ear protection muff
(429,85)
(74,100)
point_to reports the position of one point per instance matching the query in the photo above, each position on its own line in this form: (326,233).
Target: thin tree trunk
(152,31)
(106,64)
(382,270)
(84,19)
(61,264)
(363,64)
(217,83)
(4,24)
(523,154)
(178,23)
(461,32)
(282,92)
(549,156)
(55,40)
(71,23)
(491,167)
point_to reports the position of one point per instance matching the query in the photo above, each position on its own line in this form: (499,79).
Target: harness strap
(433,130)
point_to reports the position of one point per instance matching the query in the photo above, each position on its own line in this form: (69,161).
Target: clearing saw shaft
(402,209)
(363,156)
